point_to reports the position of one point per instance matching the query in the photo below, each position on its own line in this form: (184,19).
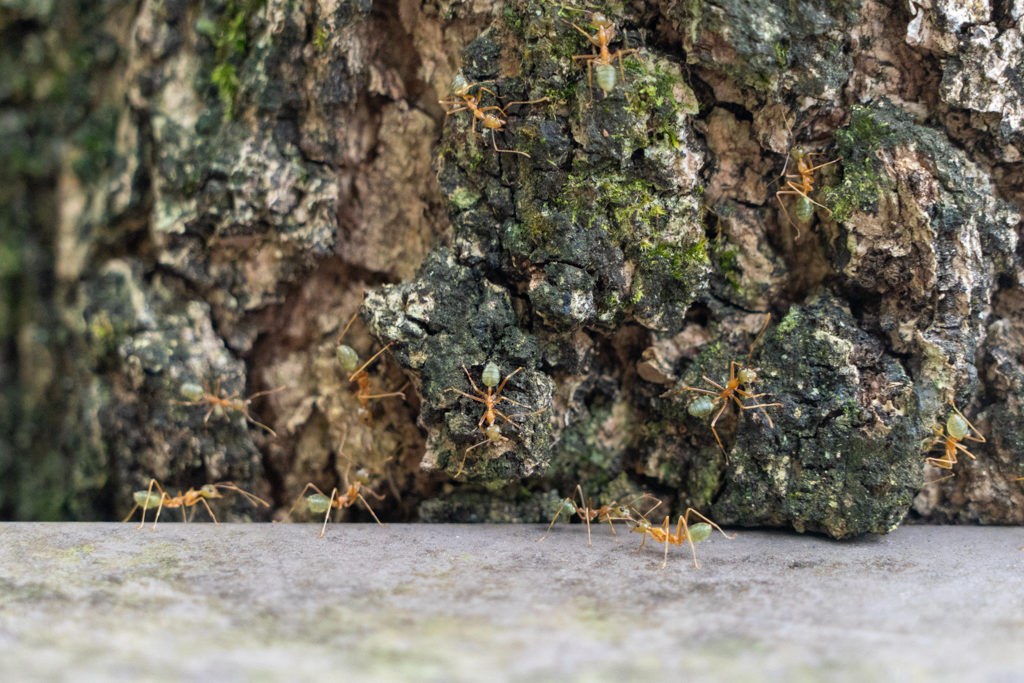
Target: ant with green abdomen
(739,375)
(348,359)
(605,513)
(801,184)
(471,103)
(684,532)
(490,377)
(958,428)
(191,498)
(221,405)
(603,61)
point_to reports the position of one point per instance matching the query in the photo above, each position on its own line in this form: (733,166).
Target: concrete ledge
(275,602)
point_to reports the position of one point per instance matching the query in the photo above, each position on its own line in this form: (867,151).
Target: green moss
(320,38)
(863,182)
(782,55)
(228,33)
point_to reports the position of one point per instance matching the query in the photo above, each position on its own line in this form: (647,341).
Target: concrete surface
(275,602)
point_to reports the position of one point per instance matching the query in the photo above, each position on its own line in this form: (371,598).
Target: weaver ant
(348,359)
(958,428)
(801,184)
(319,502)
(490,377)
(684,532)
(222,404)
(602,62)
(148,498)
(491,122)
(605,513)
(739,374)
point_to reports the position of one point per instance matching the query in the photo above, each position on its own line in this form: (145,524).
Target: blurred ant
(221,404)
(348,359)
(490,377)
(605,513)
(603,61)
(738,375)
(684,532)
(491,122)
(958,428)
(318,502)
(148,498)
(801,184)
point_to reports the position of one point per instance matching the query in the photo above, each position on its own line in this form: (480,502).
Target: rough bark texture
(207,191)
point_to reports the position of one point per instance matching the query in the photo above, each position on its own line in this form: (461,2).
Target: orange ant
(684,532)
(603,60)
(221,404)
(958,428)
(490,377)
(318,502)
(491,122)
(348,359)
(801,184)
(147,499)
(605,513)
(746,375)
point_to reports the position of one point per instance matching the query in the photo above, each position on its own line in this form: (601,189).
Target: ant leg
(502,385)
(494,143)
(208,509)
(163,497)
(673,392)
(460,391)
(665,561)
(374,514)
(130,514)
(330,507)
(149,492)
(961,447)
(586,513)
(715,432)
(256,422)
(252,498)
(367,363)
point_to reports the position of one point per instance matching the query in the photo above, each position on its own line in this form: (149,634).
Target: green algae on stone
(843,457)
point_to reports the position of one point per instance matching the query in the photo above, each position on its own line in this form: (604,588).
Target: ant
(605,513)
(491,122)
(801,184)
(147,499)
(490,377)
(348,359)
(221,405)
(319,502)
(603,60)
(684,532)
(746,375)
(958,428)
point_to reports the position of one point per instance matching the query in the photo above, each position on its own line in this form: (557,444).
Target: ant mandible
(958,428)
(222,404)
(148,498)
(348,359)
(801,184)
(491,122)
(490,377)
(738,375)
(684,532)
(605,513)
(602,62)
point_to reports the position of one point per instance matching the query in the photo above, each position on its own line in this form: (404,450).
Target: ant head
(957,427)
(209,491)
(747,375)
(494,433)
(599,20)
(460,86)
